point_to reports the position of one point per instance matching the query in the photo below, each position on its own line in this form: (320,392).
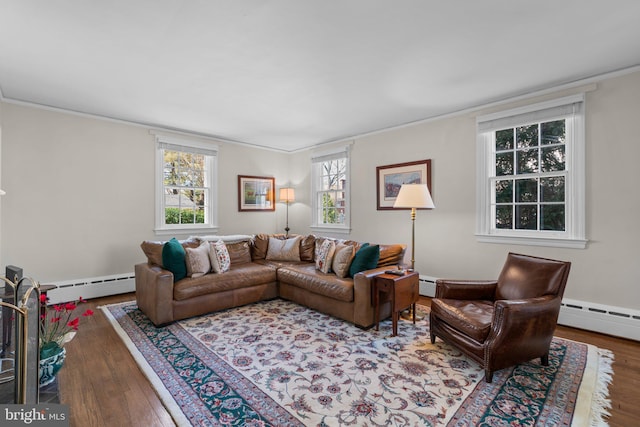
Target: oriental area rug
(276,363)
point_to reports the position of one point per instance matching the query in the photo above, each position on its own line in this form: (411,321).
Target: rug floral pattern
(277,363)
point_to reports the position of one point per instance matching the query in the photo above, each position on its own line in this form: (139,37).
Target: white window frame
(317,158)
(571,109)
(210,150)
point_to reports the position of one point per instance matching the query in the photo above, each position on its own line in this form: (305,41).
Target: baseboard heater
(95,287)
(427,286)
(610,320)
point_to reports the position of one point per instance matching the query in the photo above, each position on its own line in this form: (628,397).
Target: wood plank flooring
(103,385)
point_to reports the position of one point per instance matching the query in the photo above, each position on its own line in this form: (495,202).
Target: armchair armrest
(466,289)
(524,323)
(154,292)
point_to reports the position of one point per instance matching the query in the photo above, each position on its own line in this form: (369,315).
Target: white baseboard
(95,287)
(606,319)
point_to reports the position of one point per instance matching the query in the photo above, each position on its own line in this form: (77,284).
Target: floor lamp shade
(287,195)
(414,196)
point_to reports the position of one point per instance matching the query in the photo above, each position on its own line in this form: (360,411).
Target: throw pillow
(284,250)
(219,257)
(173,259)
(197,260)
(366,258)
(342,259)
(325,256)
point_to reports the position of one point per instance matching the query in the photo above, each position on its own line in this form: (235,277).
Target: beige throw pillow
(284,250)
(342,259)
(197,260)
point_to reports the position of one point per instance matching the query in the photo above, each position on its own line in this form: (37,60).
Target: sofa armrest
(363,302)
(154,293)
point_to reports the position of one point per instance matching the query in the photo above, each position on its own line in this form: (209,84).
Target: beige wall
(80,193)
(606,272)
(55,163)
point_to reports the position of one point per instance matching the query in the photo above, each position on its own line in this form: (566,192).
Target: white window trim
(212,152)
(317,157)
(574,236)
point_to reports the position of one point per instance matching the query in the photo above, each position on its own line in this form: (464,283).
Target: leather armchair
(504,322)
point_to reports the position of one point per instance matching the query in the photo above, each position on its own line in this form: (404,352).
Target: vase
(50,364)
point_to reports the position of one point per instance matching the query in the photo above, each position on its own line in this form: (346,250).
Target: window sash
(338,192)
(571,109)
(207,188)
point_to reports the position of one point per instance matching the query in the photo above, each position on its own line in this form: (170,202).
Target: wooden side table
(403,291)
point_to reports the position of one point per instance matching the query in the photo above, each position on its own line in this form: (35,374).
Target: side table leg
(376,304)
(413,309)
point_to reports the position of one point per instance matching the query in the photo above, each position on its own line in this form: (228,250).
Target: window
(531,175)
(331,191)
(185,184)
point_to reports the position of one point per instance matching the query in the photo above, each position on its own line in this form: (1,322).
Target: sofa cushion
(365,259)
(391,255)
(239,252)
(308,248)
(240,276)
(324,255)
(342,259)
(219,256)
(284,250)
(153,249)
(173,259)
(305,276)
(259,246)
(472,318)
(197,260)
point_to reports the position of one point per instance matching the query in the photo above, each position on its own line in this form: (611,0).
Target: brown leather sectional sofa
(254,277)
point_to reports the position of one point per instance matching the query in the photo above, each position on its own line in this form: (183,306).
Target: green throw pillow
(173,259)
(366,258)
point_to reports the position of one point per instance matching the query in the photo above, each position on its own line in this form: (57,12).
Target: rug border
(167,400)
(593,402)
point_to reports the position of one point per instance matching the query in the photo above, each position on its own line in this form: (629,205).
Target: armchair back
(526,276)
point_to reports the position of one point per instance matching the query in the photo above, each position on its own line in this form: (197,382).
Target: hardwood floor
(103,386)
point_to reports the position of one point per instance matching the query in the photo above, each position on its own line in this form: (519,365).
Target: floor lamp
(287,195)
(414,196)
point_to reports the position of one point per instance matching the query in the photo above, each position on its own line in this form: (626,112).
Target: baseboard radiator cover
(606,319)
(94,287)
(610,320)
(427,286)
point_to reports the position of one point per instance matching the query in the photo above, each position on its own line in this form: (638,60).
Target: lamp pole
(286,229)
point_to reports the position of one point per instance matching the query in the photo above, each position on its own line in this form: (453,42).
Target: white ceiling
(290,74)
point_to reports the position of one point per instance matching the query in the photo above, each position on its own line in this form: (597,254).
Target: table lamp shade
(287,195)
(414,196)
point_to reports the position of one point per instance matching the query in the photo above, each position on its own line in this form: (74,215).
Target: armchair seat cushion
(472,318)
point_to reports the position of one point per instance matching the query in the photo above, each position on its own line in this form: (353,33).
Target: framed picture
(256,193)
(390,178)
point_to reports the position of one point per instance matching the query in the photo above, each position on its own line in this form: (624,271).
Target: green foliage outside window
(183,216)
